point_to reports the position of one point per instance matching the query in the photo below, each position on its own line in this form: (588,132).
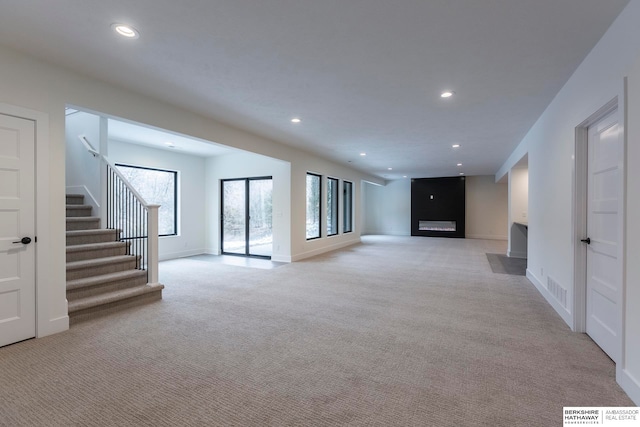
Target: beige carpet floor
(397,331)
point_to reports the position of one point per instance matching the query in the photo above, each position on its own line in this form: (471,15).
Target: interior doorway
(247,213)
(599,225)
(17,229)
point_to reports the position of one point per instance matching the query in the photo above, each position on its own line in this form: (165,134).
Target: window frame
(347,205)
(333,209)
(319,205)
(175,193)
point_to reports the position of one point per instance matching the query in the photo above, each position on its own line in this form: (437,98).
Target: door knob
(24,240)
(587,240)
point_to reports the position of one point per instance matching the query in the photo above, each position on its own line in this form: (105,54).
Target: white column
(152,256)
(103,149)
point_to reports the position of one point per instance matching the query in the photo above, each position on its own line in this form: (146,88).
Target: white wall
(35,85)
(247,165)
(486,208)
(191,194)
(629,372)
(550,145)
(387,208)
(518,211)
(82,168)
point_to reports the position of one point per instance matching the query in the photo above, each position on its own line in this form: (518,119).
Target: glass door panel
(260,217)
(234,217)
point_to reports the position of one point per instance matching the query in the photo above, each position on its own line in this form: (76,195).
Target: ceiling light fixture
(363,154)
(455,146)
(461,173)
(459,164)
(447,94)
(296,120)
(125,30)
(389,169)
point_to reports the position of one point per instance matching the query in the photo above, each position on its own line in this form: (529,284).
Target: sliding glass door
(247,217)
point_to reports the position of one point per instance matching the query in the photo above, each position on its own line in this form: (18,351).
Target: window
(348,207)
(332,206)
(313,205)
(158,187)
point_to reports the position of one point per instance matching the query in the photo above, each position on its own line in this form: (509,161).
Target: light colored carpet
(398,331)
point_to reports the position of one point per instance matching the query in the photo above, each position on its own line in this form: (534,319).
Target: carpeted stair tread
(82,218)
(74,211)
(98,262)
(111,297)
(95,235)
(74,199)
(92,232)
(95,246)
(104,278)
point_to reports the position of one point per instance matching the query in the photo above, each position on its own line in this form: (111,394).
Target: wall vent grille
(557,291)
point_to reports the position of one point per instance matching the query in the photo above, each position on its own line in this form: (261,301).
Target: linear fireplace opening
(436,225)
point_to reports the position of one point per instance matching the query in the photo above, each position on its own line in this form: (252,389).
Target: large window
(314,190)
(348,207)
(332,206)
(158,187)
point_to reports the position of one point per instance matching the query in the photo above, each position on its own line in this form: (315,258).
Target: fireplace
(438,207)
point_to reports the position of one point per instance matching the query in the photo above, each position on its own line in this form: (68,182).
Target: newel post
(152,260)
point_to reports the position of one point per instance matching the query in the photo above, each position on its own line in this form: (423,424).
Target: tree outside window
(313,205)
(157,187)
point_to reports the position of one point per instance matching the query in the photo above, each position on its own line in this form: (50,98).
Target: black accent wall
(438,199)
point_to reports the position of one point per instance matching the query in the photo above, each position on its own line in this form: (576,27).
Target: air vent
(557,291)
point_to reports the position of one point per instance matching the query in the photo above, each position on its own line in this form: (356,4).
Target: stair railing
(127,211)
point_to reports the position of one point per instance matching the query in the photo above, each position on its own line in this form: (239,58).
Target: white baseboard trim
(563,312)
(517,254)
(181,254)
(53,326)
(486,237)
(629,384)
(212,251)
(281,258)
(325,249)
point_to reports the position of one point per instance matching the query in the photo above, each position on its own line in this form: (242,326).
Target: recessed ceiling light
(404,176)
(455,146)
(389,169)
(296,120)
(125,30)
(363,154)
(459,164)
(461,173)
(447,94)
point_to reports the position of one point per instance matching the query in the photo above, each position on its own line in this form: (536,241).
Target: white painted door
(604,280)
(17,221)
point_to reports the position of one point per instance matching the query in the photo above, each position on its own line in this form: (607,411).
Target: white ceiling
(156,138)
(364,75)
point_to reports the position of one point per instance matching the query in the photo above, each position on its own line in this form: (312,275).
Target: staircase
(101,274)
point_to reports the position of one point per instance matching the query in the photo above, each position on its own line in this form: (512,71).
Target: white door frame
(42,192)
(580,193)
